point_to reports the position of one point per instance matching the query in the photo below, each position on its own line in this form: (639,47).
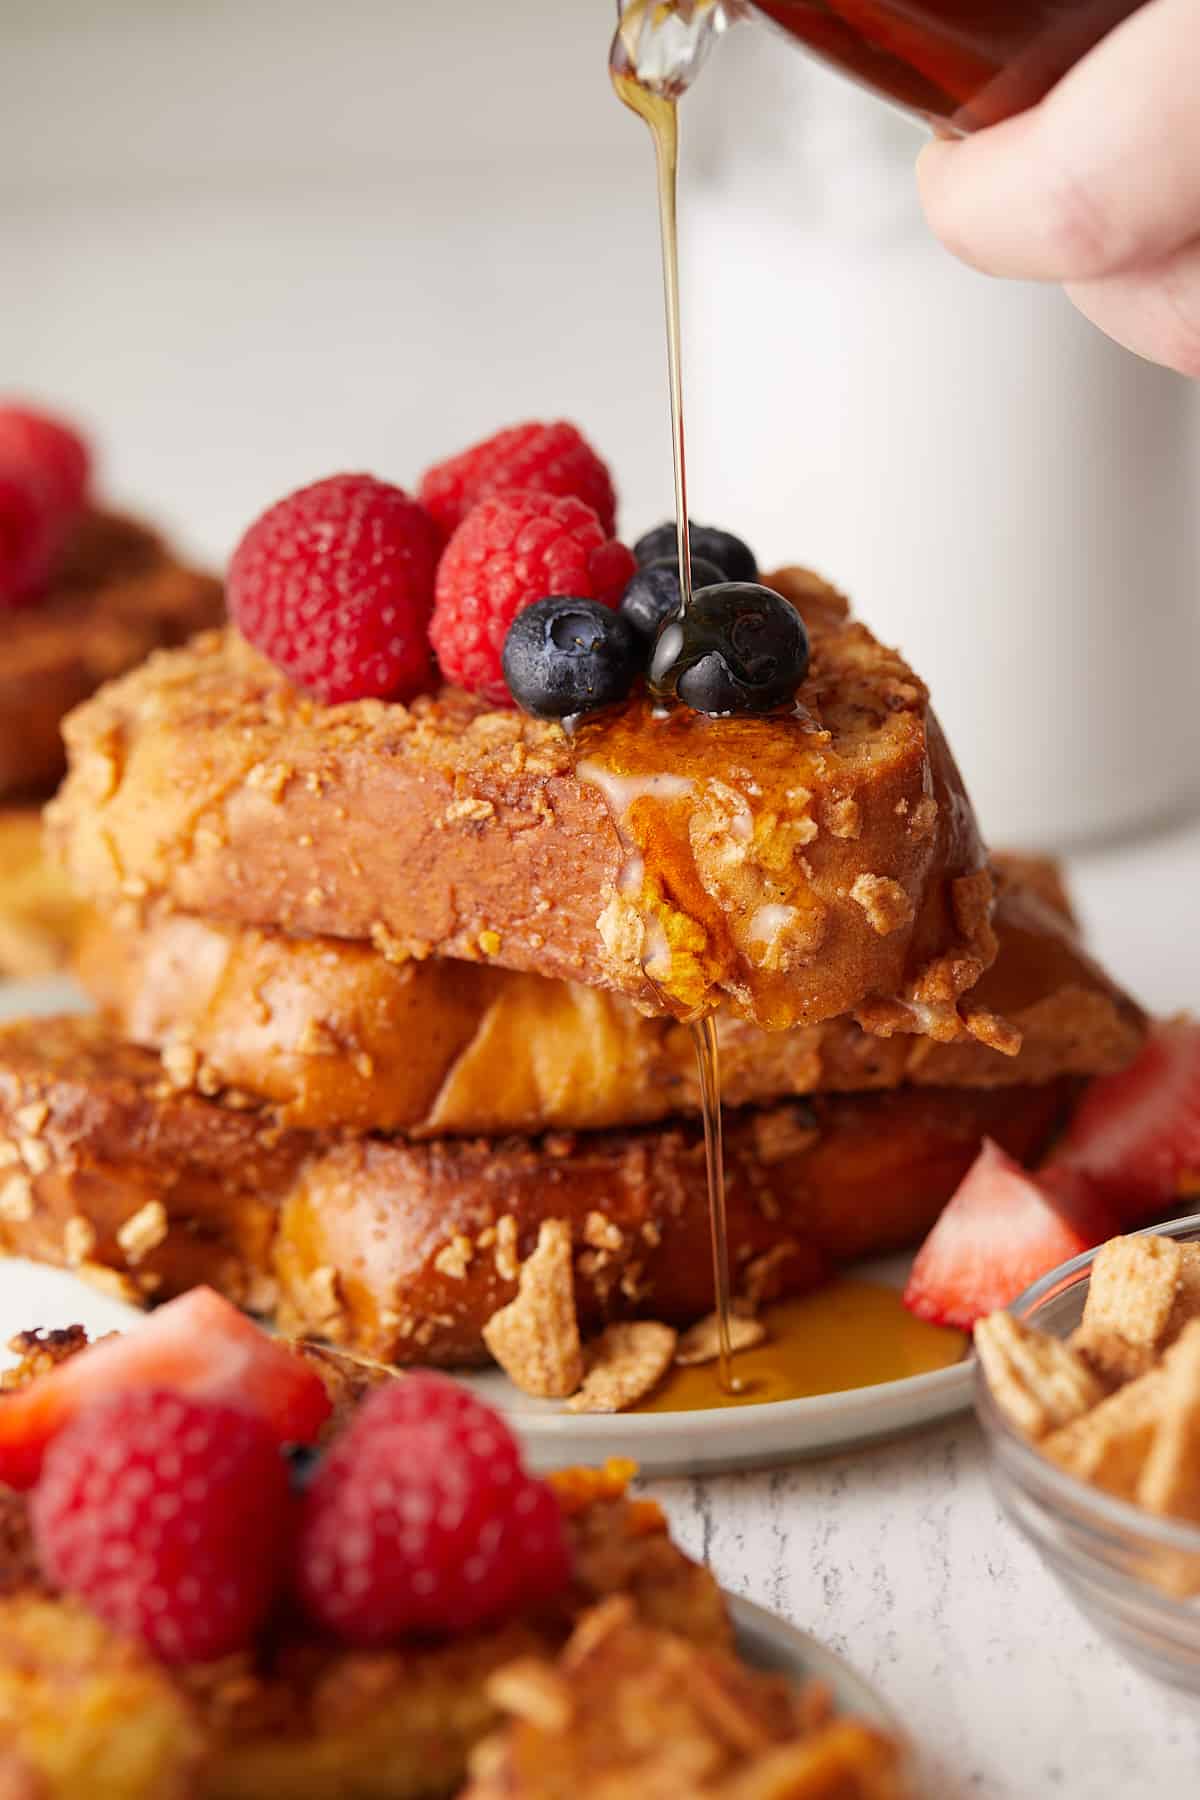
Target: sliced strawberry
(1000,1231)
(198,1344)
(1136,1135)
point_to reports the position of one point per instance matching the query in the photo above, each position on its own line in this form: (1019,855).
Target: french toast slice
(335,1035)
(793,868)
(117,595)
(404,1251)
(86,1713)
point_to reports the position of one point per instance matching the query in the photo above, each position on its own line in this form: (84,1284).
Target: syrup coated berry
(734,558)
(510,551)
(421,1520)
(544,459)
(739,648)
(170,1516)
(31,534)
(564,656)
(654,592)
(52,449)
(335,585)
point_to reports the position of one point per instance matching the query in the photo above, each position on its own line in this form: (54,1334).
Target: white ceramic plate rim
(948,1387)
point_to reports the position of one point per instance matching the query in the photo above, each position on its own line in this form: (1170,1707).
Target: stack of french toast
(86,593)
(392,1038)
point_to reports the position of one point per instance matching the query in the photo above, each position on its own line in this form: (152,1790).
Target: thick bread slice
(793,867)
(404,1251)
(118,595)
(103,1168)
(335,1035)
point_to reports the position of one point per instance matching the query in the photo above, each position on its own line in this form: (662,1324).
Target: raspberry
(50,448)
(31,534)
(421,1520)
(335,585)
(509,551)
(545,459)
(169,1517)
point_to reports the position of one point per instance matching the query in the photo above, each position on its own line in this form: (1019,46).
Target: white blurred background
(252,243)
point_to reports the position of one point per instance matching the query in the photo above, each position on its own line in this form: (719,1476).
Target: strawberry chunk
(1136,1135)
(199,1345)
(1001,1230)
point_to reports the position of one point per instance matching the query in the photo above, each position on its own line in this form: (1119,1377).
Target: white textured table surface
(898,1556)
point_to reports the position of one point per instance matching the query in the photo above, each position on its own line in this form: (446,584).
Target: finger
(1102,175)
(1155,310)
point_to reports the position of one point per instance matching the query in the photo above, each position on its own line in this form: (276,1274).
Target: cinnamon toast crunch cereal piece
(701,1343)
(1108,1445)
(624,1364)
(1170,1480)
(535,1338)
(848,1758)
(1131,1296)
(1187,1293)
(1040,1383)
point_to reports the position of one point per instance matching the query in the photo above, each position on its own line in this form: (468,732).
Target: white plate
(736,1437)
(768,1642)
(778,1431)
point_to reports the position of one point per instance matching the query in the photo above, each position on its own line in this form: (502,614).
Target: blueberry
(303,1461)
(739,648)
(653,592)
(734,558)
(564,656)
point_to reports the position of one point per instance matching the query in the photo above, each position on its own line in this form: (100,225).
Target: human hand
(1098,187)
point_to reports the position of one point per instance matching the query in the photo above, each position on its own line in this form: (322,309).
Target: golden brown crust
(118,595)
(404,1251)
(83,1712)
(40,918)
(796,867)
(1073,1019)
(336,1036)
(103,1168)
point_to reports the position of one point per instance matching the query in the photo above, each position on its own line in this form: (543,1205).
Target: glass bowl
(1130,1572)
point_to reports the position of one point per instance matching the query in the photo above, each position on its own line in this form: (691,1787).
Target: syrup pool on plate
(851,1334)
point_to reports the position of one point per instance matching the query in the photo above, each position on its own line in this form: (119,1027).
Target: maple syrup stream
(662,117)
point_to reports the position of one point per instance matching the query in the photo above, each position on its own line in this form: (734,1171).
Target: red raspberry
(509,551)
(545,459)
(51,448)
(421,1520)
(31,534)
(335,585)
(170,1517)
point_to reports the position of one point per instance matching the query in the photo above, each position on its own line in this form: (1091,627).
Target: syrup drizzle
(708,1064)
(661,114)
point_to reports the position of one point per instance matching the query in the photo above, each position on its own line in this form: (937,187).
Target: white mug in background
(1003,493)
